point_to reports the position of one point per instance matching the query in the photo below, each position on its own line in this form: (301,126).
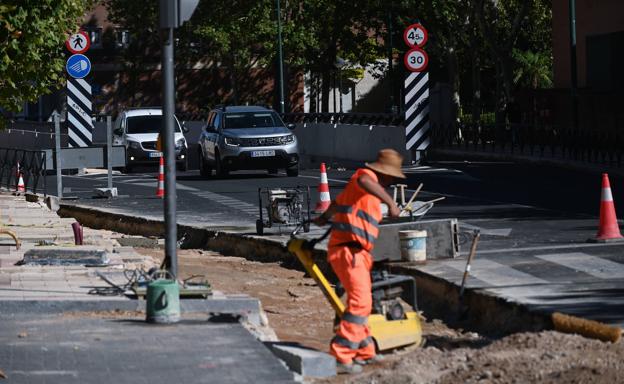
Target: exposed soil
(298,312)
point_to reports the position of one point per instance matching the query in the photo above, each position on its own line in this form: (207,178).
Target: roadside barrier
(160,189)
(609,228)
(27,165)
(323,189)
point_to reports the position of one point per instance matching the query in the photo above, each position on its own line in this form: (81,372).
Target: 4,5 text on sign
(415,36)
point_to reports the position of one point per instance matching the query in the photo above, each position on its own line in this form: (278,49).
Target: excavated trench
(437,298)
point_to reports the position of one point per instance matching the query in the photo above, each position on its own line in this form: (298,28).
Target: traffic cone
(609,229)
(160,191)
(323,189)
(21,187)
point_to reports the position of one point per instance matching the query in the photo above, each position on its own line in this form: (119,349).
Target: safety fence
(29,164)
(547,141)
(345,118)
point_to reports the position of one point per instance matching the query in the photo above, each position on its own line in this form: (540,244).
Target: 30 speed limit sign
(416,60)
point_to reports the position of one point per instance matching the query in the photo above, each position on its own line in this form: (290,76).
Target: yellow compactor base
(388,334)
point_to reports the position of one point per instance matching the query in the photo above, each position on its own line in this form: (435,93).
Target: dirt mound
(546,357)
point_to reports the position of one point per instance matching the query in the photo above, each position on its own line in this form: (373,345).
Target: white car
(138,130)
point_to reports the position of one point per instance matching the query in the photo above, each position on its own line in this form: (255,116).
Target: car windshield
(252,120)
(147,124)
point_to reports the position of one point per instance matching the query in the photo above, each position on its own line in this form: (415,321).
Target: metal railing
(550,141)
(345,118)
(32,166)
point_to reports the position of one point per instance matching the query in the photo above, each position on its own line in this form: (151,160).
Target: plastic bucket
(413,245)
(163,301)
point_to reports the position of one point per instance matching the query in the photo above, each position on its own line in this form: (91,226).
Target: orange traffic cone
(21,187)
(160,191)
(323,189)
(609,229)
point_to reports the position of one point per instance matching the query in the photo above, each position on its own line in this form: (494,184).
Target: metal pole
(573,69)
(171,235)
(390,59)
(340,87)
(109,151)
(59,176)
(281,56)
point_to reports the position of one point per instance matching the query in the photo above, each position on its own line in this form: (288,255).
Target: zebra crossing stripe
(417,111)
(592,265)
(496,274)
(228,202)
(80,125)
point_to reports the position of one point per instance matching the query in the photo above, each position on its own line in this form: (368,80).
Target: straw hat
(388,163)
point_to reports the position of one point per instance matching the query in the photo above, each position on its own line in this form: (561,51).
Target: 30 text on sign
(416,60)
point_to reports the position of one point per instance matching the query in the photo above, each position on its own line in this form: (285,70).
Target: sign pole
(416,93)
(57,156)
(109,151)
(171,234)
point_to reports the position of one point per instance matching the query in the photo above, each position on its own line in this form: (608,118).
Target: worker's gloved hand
(394,211)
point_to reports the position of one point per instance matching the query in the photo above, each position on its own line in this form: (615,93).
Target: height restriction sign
(415,36)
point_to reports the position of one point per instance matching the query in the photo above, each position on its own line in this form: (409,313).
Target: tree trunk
(233,82)
(313,92)
(325,86)
(455,81)
(476,87)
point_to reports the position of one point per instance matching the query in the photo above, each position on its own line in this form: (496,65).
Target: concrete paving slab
(71,349)
(82,255)
(307,362)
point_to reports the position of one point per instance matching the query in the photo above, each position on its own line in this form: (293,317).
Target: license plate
(262,153)
(155,154)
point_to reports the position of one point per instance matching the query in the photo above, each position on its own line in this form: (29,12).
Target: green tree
(32,36)
(533,69)
(508,25)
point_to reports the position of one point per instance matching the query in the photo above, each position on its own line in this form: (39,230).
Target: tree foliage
(471,41)
(32,36)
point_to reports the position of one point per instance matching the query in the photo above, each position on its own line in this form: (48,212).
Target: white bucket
(413,245)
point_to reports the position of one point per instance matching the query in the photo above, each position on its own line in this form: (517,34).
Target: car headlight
(134,145)
(287,139)
(180,144)
(232,141)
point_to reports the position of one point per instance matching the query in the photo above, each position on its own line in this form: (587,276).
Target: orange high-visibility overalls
(354,230)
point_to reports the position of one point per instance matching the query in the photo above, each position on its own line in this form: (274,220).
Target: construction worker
(355,216)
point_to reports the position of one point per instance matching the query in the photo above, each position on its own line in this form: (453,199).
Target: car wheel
(128,169)
(220,168)
(183,166)
(293,171)
(204,169)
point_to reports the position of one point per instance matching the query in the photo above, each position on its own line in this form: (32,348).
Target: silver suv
(246,137)
(138,130)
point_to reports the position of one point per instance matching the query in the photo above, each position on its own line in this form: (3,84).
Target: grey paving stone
(307,362)
(128,350)
(65,256)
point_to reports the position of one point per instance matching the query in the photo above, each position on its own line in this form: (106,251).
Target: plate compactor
(391,324)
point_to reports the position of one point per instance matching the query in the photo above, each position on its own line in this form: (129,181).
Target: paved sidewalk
(52,330)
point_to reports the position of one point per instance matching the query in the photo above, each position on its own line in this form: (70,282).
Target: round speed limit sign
(416,60)
(415,35)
